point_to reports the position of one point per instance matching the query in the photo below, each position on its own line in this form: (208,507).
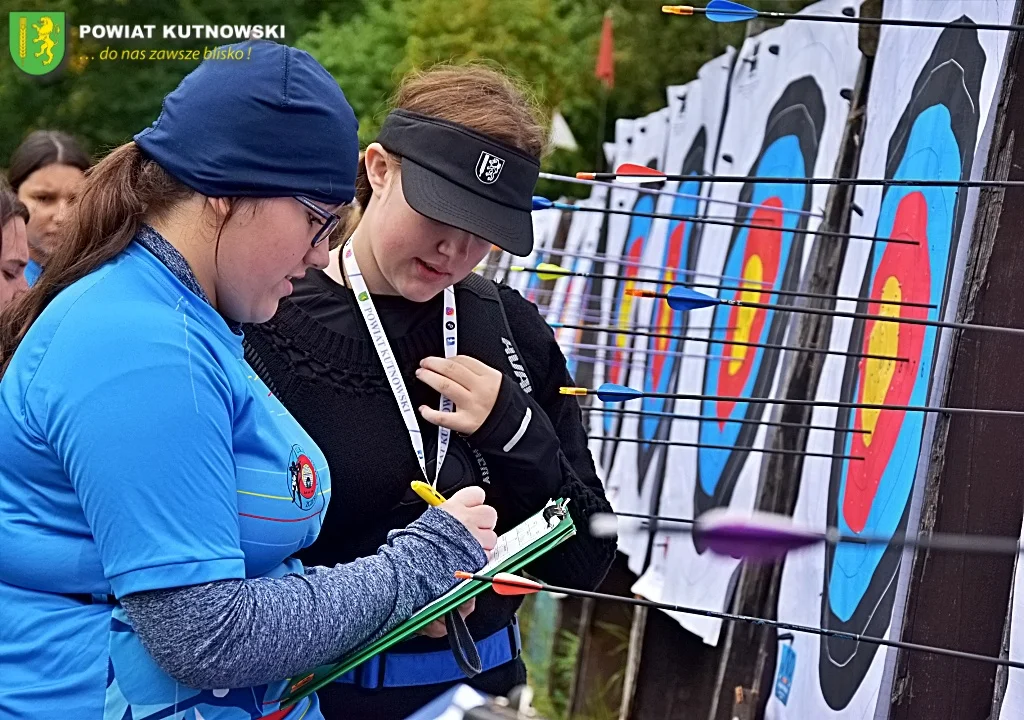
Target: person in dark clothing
(399,320)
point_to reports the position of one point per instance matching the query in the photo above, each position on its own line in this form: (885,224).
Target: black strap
(488,290)
(463,647)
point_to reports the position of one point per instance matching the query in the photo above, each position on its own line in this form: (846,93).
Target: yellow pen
(432,496)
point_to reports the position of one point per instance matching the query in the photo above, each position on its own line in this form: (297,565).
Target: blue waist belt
(431,668)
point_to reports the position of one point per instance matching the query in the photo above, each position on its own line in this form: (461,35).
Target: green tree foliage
(550,44)
(106,102)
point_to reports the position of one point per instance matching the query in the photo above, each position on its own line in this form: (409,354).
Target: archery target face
(803,139)
(927,102)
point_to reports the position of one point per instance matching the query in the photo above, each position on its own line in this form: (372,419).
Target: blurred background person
(46,171)
(13,245)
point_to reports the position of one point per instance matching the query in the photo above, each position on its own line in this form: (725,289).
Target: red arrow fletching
(634,169)
(509,584)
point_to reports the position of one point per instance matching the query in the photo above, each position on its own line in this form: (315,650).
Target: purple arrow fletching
(610,392)
(762,538)
(684,299)
(725,11)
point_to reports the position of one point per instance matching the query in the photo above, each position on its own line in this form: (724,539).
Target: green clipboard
(517,548)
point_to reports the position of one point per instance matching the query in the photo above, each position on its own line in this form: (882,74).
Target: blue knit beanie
(272,125)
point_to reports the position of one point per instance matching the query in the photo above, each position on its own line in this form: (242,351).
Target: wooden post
(959,600)
(603,627)
(636,643)
(748,651)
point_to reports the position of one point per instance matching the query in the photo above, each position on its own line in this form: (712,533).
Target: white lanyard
(449,327)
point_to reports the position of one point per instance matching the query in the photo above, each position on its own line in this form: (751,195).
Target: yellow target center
(753,272)
(884,340)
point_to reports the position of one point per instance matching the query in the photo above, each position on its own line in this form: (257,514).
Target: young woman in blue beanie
(452,171)
(152,489)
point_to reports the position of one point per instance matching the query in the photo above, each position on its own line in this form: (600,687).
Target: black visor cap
(461,178)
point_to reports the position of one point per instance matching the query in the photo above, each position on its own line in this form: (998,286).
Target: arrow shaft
(873,182)
(593,360)
(701,418)
(894,22)
(710,446)
(731,223)
(581,315)
(689,196)
(628,329)
(981,544)
(748,288)
(740,343)
(626,262)
(869,316)
(832,403)
(666,353)
(732,617)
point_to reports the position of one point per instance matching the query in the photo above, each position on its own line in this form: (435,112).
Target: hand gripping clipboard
(515,549)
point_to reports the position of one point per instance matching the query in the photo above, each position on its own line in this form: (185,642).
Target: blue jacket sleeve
(139,411)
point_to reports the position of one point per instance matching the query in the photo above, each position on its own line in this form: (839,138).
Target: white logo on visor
(488,168)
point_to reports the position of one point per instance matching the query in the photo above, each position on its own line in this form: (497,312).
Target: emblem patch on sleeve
(302,476)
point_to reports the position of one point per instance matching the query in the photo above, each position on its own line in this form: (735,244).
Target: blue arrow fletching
(610,392)
(725,11)
(684,299)
(541,203)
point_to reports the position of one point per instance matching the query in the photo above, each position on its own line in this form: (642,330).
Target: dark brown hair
(10,207)
(116,195)
(42,148)
(476,96)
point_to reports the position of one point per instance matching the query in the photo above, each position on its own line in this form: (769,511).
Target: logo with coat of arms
(488,167)
(303,479)
(38,40)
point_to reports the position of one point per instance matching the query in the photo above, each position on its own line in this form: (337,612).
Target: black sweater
(316,355)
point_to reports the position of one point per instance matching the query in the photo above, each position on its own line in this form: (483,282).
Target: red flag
(605,68)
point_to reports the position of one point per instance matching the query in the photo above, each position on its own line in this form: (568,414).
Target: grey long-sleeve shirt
(242,633)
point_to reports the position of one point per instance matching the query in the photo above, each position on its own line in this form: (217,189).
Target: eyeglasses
(330,220)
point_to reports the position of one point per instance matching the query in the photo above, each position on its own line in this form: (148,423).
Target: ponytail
(363,190)
(117,194)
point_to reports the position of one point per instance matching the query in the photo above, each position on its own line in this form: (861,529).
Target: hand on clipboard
(467,506)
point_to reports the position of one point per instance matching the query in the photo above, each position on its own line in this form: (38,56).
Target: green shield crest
(38,40)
